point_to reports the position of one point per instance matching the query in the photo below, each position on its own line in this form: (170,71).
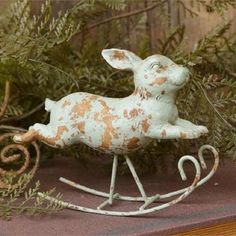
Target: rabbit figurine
(120,125)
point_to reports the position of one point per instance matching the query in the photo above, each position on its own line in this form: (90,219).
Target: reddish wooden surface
(227,229)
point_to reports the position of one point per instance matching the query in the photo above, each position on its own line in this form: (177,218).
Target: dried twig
(231,73)
(23,116)
(9,127)
(125,15)
(5,100)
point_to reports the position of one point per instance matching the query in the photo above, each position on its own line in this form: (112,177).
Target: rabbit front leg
(168,131)
(189,125)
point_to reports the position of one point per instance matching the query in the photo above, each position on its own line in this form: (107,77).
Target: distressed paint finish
(120,125)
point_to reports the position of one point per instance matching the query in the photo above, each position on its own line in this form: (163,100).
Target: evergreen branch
(101,86)
(62,68)
(230,72)
(25,208)
(187,9)
(213,107)
(125,15)
(31,204)
(23,116)
(58,69)
(178,32)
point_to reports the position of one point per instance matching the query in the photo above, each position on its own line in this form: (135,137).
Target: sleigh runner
(147,201)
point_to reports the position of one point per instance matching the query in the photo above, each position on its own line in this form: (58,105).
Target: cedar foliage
(12,202)
(40,60)
(44,54)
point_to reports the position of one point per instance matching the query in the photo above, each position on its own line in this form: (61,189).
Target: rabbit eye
(154,65)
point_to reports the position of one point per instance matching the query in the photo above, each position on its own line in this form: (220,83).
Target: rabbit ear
(120,59)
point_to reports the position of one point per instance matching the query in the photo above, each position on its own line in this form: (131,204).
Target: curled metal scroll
(7,155)
(7,158)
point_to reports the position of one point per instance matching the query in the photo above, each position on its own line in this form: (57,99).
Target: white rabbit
(120,125)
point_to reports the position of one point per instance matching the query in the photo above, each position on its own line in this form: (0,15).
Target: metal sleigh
(156,80)
(144,199)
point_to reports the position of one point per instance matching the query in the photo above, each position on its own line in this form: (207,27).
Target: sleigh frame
(146,201)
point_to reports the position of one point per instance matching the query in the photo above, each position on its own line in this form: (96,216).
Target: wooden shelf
(226,229)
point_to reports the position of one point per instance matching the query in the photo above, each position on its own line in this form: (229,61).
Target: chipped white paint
(120,125)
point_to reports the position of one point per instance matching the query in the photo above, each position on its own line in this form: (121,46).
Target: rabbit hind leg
(39,132)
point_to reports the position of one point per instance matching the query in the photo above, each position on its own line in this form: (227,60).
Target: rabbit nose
(181,77)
